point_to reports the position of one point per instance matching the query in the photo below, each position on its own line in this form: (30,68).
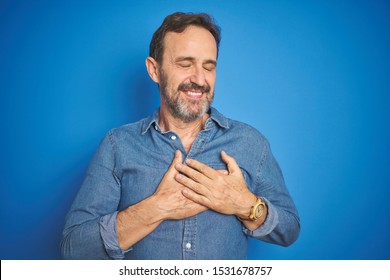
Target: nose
(198,76)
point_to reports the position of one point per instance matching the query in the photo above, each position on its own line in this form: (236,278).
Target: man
(187,182)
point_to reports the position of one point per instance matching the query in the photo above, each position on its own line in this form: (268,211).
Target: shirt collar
(152,120)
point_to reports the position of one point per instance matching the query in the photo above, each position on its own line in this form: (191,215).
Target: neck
(187,131)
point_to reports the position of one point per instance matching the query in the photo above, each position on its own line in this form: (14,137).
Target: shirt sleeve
(90,227)
(282,225)
(269,224)
(110,238)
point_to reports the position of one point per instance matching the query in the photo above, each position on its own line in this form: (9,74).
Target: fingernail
(178,176)
(188,161)
(178,166)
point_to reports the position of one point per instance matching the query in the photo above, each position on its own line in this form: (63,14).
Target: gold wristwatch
(257,210)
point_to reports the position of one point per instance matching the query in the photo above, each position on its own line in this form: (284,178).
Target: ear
(152,68)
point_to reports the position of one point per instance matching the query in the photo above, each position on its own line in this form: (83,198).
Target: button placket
(189,252)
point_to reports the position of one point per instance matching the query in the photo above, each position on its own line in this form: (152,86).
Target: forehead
(194,41)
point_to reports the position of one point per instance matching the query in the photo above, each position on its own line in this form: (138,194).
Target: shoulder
(246,132)
(249,137)
(234,125)
(246,129)
(133,129)
(242,135)
(125,135)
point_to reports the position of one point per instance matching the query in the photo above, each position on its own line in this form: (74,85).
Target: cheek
(211,78)
(171,85)
(176,81)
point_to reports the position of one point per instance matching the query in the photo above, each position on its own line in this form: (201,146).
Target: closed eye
(185,65)
(209,66)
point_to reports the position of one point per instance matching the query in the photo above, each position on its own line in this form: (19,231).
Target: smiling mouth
(193,90)
(194,93)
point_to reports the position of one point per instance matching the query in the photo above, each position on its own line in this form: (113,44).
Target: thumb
(231,163)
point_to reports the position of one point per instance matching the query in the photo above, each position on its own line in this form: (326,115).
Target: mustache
(193,86)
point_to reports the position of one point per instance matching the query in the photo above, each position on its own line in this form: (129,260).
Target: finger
(202,168)
(223,171)
(192,173)
(178,158)
(230,163)
(191,184)
(195,197)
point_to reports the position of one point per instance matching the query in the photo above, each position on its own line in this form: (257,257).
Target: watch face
(259,210)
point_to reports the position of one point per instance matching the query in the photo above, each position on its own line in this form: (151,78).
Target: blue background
(312,76)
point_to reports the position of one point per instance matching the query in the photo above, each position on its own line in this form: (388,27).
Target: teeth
(194,93)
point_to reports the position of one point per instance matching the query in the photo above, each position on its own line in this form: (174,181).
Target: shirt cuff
(269,224)
(109,236)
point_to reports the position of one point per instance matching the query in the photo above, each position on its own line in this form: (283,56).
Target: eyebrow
(192,59)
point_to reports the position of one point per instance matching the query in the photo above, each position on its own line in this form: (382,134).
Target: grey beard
(179,109)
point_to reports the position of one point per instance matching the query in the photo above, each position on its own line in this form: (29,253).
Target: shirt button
(173,137)
(188,245)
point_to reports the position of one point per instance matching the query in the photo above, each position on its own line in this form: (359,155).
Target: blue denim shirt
(129,165)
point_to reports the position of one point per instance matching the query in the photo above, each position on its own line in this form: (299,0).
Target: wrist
(151,210)
(257,212)
(144,212)
(135,222)
(245,211)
